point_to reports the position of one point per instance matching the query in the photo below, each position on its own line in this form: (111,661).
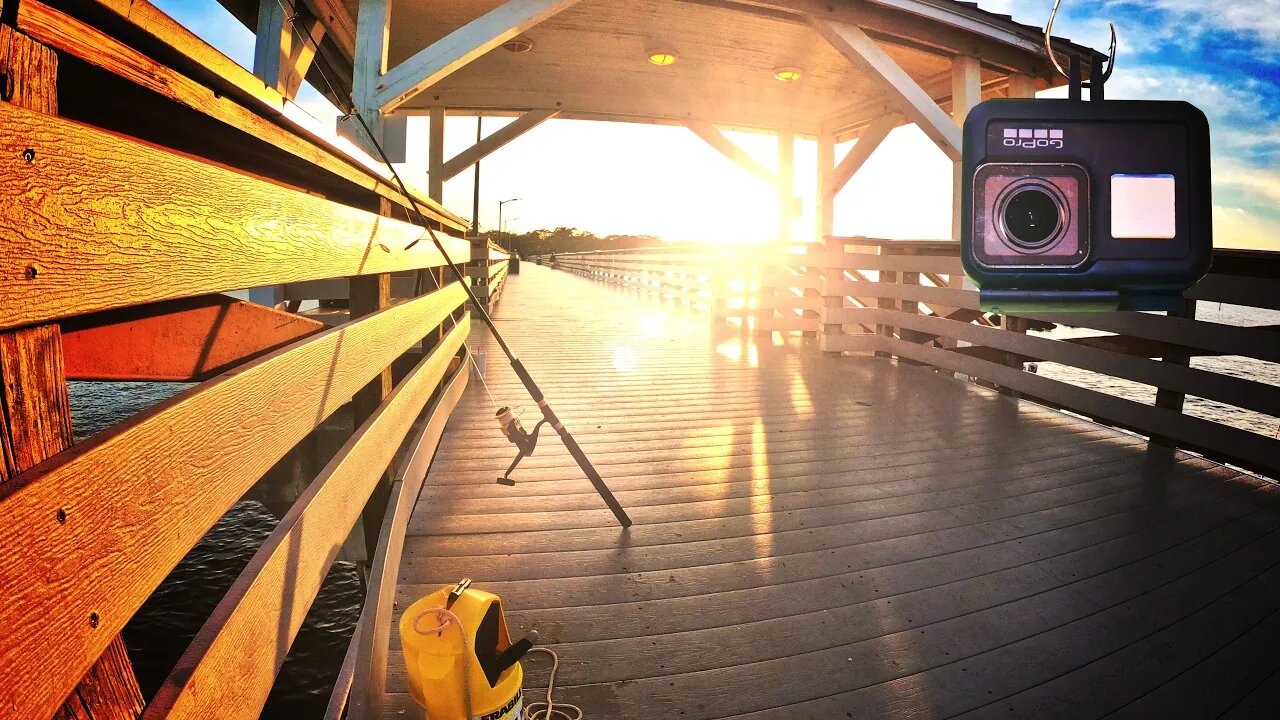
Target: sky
(622,178)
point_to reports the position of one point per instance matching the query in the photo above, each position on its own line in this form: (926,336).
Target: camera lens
(1031,217)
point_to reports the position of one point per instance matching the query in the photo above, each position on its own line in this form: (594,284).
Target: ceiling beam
(436,62)
(861,151)
(502,136)
(338,23)
(303,52)
(716,139)
(915,103)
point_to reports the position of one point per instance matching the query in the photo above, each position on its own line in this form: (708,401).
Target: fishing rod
(511,428)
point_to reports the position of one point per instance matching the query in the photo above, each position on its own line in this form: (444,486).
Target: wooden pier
(854,494)
(818,536)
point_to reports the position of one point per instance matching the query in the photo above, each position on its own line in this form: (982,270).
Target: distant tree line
(567,239)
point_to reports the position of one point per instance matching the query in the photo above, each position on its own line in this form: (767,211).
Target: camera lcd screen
(1143,206)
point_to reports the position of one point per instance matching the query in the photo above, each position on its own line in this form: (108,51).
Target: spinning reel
(525,442)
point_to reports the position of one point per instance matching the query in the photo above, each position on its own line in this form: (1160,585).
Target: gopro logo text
(1032,138)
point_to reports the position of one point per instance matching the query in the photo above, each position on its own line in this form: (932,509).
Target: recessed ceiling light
(662,58)
(518,45)
(787,74)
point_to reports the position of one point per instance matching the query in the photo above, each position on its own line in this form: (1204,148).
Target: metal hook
(1048,46)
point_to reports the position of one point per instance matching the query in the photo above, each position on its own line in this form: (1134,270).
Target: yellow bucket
(443,669)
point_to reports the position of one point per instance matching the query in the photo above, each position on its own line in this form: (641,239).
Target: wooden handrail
(224,91)
(264,609)
(137,497)
(372,638)
(914,314)
(86,228)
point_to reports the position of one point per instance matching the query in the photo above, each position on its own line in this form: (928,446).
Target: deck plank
(818,536)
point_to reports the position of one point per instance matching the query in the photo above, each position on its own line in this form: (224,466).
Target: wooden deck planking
(818,535)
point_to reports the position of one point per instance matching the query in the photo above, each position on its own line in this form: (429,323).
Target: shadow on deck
(825,537)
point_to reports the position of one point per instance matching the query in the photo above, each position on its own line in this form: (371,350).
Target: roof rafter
(716,139)
(488,145)
(437,61)
(902,89)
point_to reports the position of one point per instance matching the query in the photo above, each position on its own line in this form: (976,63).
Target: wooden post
(833,272)
(966,93)
(1172,399)
(35,412)
(369,294)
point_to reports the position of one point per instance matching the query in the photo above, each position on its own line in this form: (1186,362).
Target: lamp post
(500,204)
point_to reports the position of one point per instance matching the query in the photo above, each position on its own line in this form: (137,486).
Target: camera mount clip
(1098,76)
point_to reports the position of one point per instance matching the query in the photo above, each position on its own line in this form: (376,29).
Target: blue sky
(616,178)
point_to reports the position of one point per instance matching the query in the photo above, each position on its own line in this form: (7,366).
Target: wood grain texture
(819,535)
(231,665)
(29,71)
(85,230)
(35,412)
(262,111)
(136,497)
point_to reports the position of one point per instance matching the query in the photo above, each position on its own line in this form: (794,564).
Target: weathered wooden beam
(185,340)
(272,595)
(35,420)
(443,57)
(273,42)
(863,52)
(370,294)
(29,71)
(102,557)
(271,118)
(95,221)
(966,93)
(716,139)
(500,137)
(306,34)
(861,152)
(337,22)
(373,37)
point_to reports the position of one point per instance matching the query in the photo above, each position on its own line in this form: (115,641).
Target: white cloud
(1240,228)
(1257,20)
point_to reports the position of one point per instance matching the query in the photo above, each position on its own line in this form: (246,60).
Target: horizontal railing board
(231,664)
(97,221)
(263,112)
(374,627)
(1237,290)
(902,263)
(138,496)
(1253,451)
(1215,337)
(1260,397)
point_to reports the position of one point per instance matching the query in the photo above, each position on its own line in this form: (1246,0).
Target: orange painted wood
(95,221)
(135,498)
(229,669)
(176,340)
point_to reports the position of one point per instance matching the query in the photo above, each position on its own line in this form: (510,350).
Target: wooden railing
(120,239)
(909,300)
(770,287)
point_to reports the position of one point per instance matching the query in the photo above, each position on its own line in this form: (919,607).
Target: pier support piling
(35,411)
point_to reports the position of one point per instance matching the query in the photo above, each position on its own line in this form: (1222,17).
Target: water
(1242,367)
(162,629)
(164,626)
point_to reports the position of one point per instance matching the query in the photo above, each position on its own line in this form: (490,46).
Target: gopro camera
(1071,205)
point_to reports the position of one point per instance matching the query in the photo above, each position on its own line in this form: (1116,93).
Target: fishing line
(512,431)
